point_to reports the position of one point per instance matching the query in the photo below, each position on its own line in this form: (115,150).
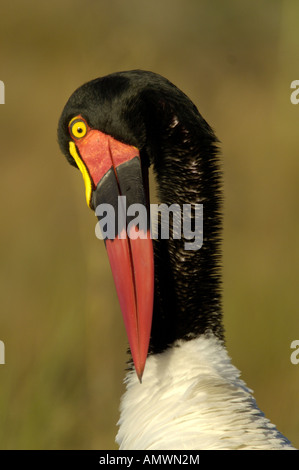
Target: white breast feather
(191,397)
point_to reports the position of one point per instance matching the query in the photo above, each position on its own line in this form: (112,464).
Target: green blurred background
(59,319)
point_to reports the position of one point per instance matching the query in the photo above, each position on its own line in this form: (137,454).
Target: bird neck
(187,281)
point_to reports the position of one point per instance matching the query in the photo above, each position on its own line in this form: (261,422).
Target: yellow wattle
(83,169)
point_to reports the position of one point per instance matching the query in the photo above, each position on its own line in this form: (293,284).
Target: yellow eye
(78,127)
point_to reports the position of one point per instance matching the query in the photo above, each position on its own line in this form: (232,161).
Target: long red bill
(113,169)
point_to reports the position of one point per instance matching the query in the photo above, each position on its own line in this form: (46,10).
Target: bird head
(102,131)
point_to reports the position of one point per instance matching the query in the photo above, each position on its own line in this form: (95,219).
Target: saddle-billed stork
(186,393)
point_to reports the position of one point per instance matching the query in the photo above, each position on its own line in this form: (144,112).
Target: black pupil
(79,130)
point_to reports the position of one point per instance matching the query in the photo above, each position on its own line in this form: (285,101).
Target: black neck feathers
(187,282)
